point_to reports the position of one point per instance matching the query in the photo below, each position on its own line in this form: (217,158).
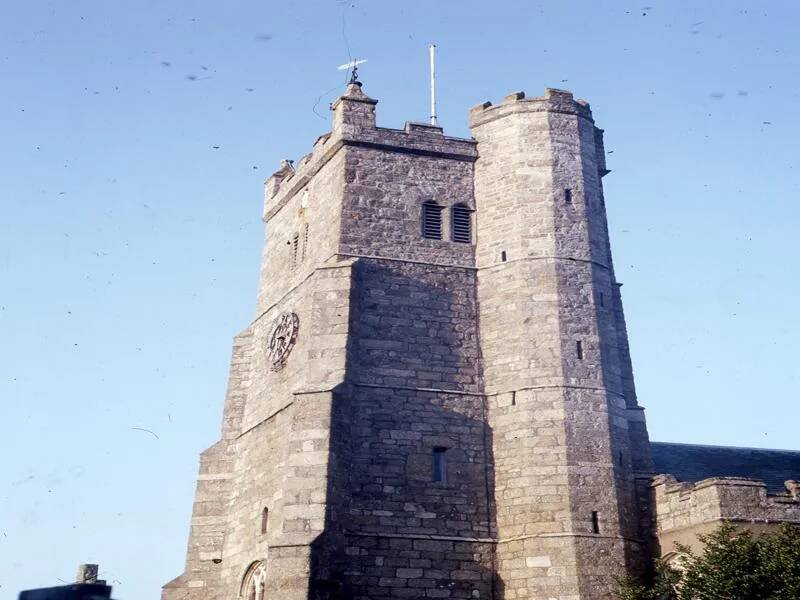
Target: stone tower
(568,435)
(435,397)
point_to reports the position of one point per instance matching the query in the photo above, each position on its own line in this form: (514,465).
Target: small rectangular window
(595,522)
(461,224)
(440,465)
(431,221)
(567,195)
(579,349)
(503,256)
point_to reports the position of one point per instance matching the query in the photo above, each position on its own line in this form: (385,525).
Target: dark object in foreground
(86,587)
(73,591)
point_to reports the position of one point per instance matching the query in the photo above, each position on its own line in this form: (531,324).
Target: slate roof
(692,463)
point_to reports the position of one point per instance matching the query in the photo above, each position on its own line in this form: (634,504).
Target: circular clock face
(282,339)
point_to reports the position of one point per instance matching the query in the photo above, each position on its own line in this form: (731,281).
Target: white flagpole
(432,49)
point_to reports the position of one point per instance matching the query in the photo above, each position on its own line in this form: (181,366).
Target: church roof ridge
(720,447)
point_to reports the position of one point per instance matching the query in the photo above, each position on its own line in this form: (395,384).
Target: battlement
(354,125)
(679,505)
(291,177)
(554,100)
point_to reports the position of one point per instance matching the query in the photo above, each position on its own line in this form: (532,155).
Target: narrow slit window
(579,349)
(513,398)
(503,256)
(431,221)
(567,195)
(264,520)
(602,300)
(595,522)
(440,465)
(461,224)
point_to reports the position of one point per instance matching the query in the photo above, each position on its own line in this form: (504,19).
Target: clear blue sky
(129,244)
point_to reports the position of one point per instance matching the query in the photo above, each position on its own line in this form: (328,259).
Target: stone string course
(406,345)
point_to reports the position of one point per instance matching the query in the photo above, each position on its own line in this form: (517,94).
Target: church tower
(435,398)
(568,435)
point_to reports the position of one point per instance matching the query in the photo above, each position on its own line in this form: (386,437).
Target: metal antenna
(353,64)
(432,49)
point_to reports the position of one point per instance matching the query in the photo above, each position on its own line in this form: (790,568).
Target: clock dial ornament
(282,339)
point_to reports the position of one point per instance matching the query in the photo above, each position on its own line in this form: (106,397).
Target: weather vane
(353,64)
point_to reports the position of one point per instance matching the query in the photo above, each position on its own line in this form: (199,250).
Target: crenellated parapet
(682,510)
(354,126)
(292,177)
(554,100)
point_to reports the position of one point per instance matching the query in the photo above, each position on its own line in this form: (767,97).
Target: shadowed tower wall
(414,382)
(566,429)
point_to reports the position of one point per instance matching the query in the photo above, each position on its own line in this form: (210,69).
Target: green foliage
(780,562)
(734,564)
(728,568)
(662,587)
(659,589)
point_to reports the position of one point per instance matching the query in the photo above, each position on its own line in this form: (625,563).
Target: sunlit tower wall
(568,434)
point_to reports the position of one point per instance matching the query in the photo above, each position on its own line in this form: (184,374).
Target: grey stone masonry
(435,396)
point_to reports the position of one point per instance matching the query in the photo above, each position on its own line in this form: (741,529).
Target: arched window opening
(431,220)
(264,520)
(461,224)
(254,583)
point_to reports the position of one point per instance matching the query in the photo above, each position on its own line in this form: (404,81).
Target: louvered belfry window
(462,224)
(431,220)
(295,246)
(305,242)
